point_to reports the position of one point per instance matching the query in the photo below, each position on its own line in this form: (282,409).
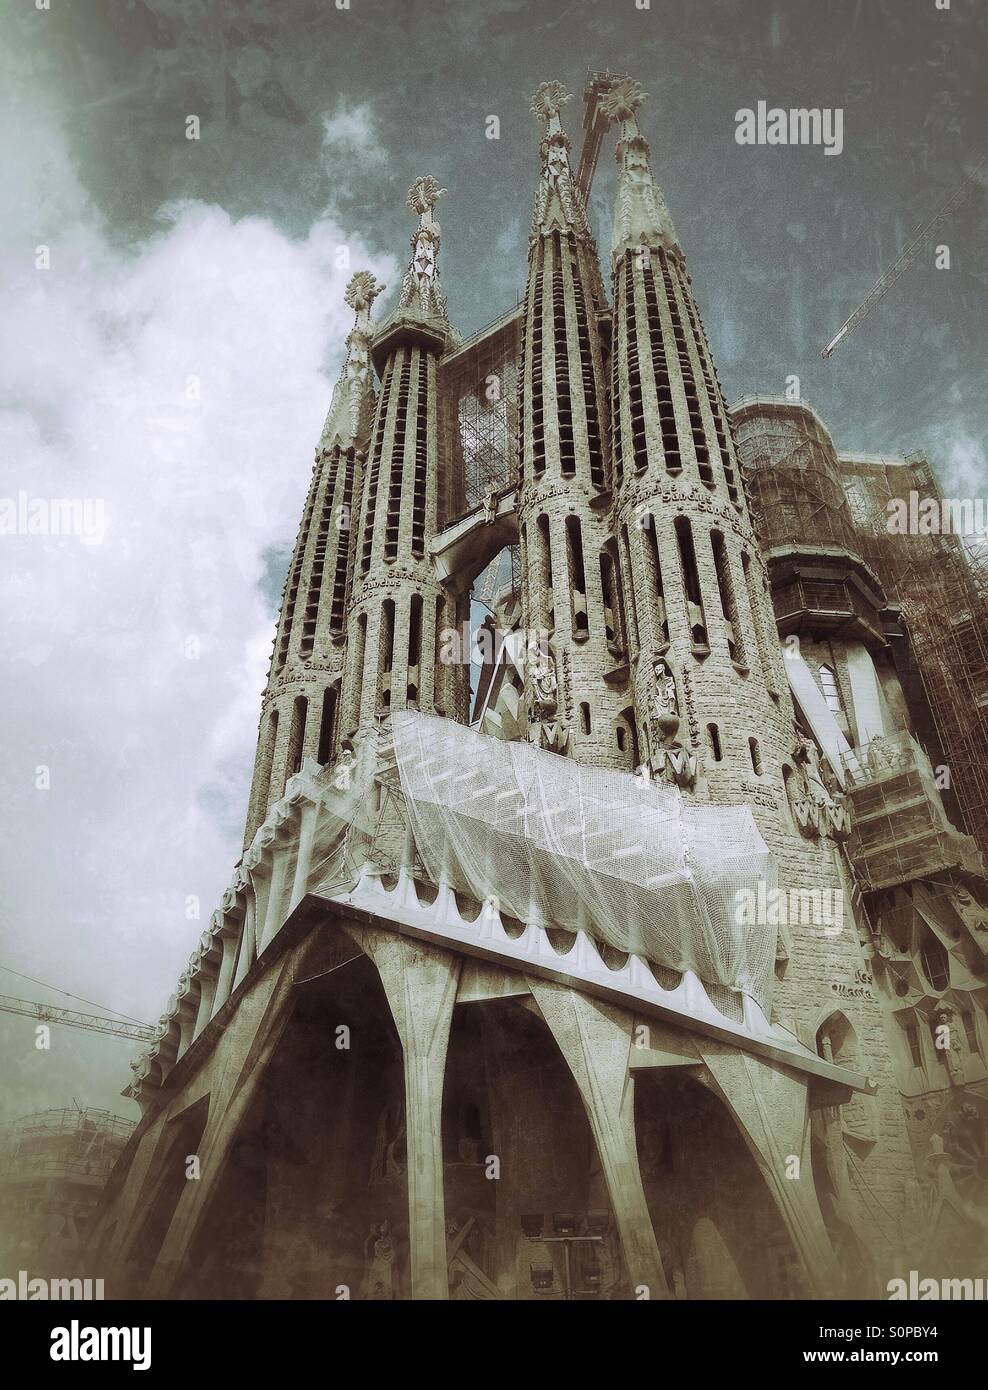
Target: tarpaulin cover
(634,864)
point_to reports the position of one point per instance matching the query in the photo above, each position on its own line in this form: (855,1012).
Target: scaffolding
(793,475)
(478,429)
(940,582)
(901,831)
(53,1167)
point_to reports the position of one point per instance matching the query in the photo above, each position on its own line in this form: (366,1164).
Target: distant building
(53,1167)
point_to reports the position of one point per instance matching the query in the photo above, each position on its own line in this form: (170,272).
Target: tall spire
(351,410)
(421,289)
(559,203)
(641,216)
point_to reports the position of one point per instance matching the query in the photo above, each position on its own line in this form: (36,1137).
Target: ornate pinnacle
(362,290)
(623,100)
(548,100)
(424,194)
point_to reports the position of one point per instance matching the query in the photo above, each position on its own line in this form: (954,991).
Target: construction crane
(920,238)
(595,124)
(95,1023)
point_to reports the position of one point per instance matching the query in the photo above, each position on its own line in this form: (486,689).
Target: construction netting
(632,863)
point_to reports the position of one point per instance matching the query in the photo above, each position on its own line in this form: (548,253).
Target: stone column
(420,983)
(770,1105)
(250,1042)
(595,1040)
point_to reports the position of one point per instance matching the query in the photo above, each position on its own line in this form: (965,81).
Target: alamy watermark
(936,516)
(53,516)
(775,125)
(820,910)
(26,1288)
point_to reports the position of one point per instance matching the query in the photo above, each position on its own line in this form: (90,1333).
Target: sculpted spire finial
(421,292)
(362,290)
(623,100)
(424,194)
(558,201)
(641,217)
(549,100)
(352,406)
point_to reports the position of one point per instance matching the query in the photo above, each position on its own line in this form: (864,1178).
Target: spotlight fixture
(531,1225)
(598,1222)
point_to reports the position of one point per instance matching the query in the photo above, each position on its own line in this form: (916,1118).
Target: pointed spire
(421,289)
(559,203)
(641,216)
(352,407)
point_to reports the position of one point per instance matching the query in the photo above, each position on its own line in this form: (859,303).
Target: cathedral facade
(650,961)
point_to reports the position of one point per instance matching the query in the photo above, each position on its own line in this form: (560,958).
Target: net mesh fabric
(631,863)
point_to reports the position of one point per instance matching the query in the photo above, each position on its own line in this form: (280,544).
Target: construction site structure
(920,239)
(53,1167)
(72,1018)
(889,623)
(616,945)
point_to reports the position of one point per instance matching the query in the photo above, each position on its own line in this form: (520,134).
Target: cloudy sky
(175,360)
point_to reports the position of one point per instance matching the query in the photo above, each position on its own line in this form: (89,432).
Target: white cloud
(352,132)
(182,382)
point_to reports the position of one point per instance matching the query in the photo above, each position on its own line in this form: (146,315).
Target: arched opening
(387,643)
(756,756)
(626,738)
(510,1097)
(577,578)
(584,718)
(728,600)
(713,742)
(296,736)
(691,586)
(934,960)
(327,724)
(318,1167)
(828,684)
(657,592)
(546,595)
(719,1231)
(414,648)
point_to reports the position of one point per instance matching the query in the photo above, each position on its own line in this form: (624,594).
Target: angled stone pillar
(595,1040)
(420,982)
(770,1105)
(248,1045)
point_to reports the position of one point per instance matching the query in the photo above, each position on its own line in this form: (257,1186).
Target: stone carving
(815,809)
(543,686)
(380,1257)
(557,189)
(668,756)
(421,291)
(424,194)
(361,291)
(623,100)
(548,101)
(665,702)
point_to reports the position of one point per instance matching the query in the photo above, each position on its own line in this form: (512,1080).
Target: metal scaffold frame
(940,582)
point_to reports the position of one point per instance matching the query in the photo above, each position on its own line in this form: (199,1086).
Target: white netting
(633,864)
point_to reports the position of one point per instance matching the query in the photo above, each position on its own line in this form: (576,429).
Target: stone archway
(720,1234)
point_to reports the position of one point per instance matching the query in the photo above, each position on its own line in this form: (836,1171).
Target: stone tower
(398,611)
(300,709)
(701,637)
(569,586)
